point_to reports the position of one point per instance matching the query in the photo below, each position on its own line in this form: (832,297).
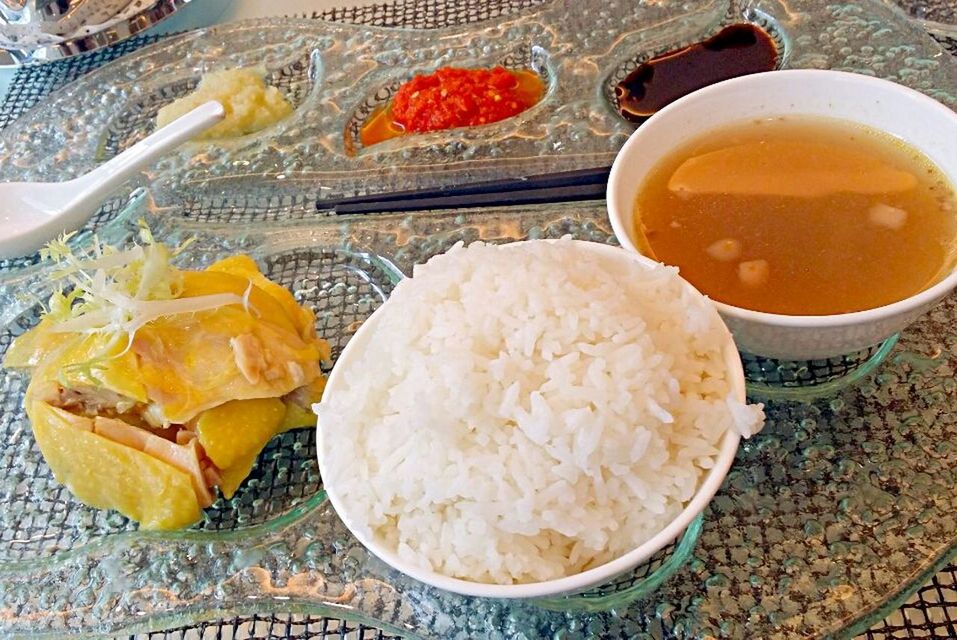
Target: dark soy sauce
(734,51)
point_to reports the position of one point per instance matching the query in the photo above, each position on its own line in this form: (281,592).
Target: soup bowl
(912,117)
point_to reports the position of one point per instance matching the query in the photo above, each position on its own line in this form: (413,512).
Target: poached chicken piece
(152,387)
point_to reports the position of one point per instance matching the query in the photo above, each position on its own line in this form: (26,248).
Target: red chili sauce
(450,98)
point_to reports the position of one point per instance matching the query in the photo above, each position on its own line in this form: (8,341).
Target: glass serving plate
(828,519)
(337,74)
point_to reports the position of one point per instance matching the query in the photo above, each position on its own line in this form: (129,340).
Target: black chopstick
(531,196)
(581,184)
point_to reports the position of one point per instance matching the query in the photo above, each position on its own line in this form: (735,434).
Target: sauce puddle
(452,98)
(736,50)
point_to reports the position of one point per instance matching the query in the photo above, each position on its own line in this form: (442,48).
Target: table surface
(930,613)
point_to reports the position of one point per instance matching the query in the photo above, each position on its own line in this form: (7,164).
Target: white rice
(529,412)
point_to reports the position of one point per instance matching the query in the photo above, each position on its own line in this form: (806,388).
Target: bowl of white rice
(531,419)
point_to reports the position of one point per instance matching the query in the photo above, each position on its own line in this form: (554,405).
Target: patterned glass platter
(336,75)
(838,510)
(829,519)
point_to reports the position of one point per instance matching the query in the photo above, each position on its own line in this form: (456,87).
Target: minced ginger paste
(250,104)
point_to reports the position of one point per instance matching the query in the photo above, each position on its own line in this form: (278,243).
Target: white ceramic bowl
(567,585)
(918,120)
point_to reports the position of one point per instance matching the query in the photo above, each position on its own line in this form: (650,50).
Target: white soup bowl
(916,119)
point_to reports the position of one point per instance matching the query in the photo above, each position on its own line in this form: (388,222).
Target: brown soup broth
(800,216)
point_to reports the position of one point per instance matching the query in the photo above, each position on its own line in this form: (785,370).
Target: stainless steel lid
(34,31)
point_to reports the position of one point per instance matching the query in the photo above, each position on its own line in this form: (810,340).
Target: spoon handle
(106,178)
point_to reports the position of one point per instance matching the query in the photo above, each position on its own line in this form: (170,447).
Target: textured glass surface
(758,571)
(837,509)
(941,12)
(807,380)
(336,74)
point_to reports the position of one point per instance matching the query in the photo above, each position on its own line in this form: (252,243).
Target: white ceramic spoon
(33,213)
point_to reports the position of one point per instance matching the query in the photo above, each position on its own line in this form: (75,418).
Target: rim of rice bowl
(708,486)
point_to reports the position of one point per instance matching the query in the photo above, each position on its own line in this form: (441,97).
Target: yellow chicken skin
(150,412)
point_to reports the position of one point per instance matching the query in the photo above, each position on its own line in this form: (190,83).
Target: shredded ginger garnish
(117,292)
